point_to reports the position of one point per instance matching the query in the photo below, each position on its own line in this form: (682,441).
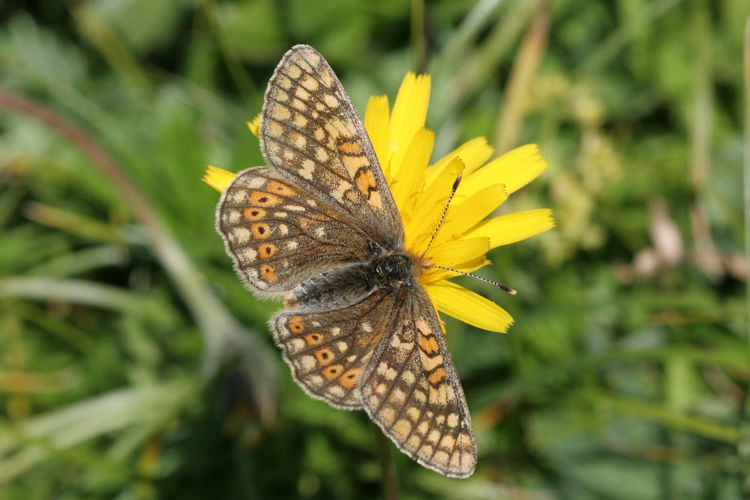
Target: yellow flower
(404,146)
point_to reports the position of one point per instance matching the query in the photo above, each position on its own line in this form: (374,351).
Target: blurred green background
(134,365)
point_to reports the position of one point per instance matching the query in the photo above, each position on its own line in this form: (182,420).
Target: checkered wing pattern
(329,350)
(310,131)
(278,235)
(412,391)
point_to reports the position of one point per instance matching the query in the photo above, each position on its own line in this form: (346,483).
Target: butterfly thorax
(393,270)
(344,284)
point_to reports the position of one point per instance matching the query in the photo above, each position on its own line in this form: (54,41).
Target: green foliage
(133,363)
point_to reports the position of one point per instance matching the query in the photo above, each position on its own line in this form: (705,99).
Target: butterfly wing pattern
(320,227)
(310,131)
(412,391)
(329,350)
(278,235)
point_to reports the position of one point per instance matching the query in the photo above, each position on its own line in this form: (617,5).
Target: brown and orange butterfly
(319,227)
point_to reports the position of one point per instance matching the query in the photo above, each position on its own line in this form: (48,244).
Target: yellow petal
(377,116)
(473,153)
(254,124)
(464,215)
(218,178)
(469,307)
(455,252)
(408,165)
(409,110)
(515,169)
(429,205)
(511,228)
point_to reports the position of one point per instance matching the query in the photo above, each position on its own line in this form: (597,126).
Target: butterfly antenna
(491,282)
(434,233)
(445,210)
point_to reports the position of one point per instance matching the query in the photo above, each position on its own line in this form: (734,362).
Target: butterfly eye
(380,269)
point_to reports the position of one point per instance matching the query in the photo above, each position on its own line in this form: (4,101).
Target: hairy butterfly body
(319,227)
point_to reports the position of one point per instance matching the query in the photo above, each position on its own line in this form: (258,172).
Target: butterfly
(319,227)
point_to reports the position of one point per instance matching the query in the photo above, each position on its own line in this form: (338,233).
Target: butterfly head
(394,269)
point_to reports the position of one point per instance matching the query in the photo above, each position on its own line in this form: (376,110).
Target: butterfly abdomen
(344,285)
(338,287)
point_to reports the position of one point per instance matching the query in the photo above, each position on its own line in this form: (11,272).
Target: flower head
(404,146)
(421,190)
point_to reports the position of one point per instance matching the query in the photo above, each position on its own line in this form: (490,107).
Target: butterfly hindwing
(412,391)
(328,350)
(310,131)
(385,353)
(278,235)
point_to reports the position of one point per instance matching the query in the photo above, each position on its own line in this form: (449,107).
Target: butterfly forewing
(411,389)
(310,131)
(279,235)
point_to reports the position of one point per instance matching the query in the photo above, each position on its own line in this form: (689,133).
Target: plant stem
(510,116)
(390,476)
(743,447)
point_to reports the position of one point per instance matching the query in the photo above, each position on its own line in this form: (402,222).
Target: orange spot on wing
(428,344)
(263,199)
(324,356)
(268,273)
(437,376)
(295,324)
(350,147)
(260,230)
(333,371)
(254,213)
(280,188)
(350,377)
(366,181)
(313,338)
(267,250)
